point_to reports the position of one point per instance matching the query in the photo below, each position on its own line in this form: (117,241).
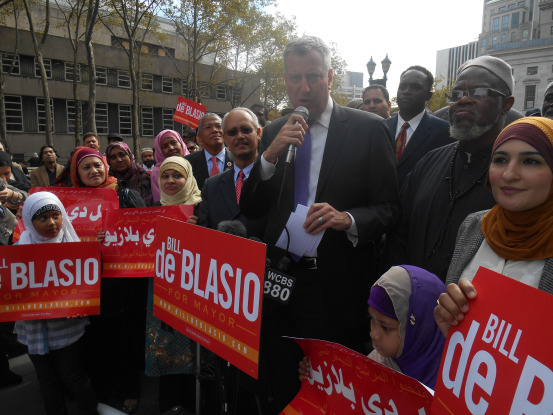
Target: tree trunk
(91,87)
(76,100)
(135,103)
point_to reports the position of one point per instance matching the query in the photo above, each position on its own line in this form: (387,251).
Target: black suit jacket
(199,165)
(219,204)
(432,132)
(358,176)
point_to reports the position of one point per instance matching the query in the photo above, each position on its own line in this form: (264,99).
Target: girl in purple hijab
(404,333)
(167,143)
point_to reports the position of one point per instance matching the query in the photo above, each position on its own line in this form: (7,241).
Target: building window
(167,115)
(532,70)
(8,61)
(515,20)
(147,82)
(71,111)
(494,40)
(503,38)
(484,42)
(41,114)
(184,87)
(530,96)
(47,68)
(221,92)
(525,34)
(101,76)
(102,118)
(147,121)
(521,4)
(505,22)
(13,109)
(512,6)
(123,80)
(167,85)
(495,24)
(69,71)
(125,120)
(203,89)
(502,9)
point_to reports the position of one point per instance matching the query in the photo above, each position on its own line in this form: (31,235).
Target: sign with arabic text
(498,359)
(84,206)
(49,281)
(209,286)
(188,112)
(127,250)
(343,382)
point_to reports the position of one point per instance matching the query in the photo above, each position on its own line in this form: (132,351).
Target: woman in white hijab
(54,345)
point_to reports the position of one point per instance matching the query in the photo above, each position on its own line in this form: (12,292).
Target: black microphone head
(233,227)
(304,112)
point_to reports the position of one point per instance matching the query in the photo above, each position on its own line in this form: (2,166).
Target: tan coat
(39,176)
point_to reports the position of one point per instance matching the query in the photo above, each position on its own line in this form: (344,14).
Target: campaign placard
(84,207)
(128,247)
(343,382)
(209,286)
(498,359)
(188,112)
(49,280)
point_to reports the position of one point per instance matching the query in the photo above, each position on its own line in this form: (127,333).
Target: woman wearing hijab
(167,143)
(115,339)
(124,168)
(170,355)
(515,237)
(55,345)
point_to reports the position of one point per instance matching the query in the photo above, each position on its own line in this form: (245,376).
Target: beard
(474,131)
(149,163)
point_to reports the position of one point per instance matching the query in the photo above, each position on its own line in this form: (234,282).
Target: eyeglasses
(474,93)
(244,130)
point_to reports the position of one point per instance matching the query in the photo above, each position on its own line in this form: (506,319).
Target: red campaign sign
(55,282)
(209,286)
(128,250)
(343,382)
(188,112)
(84,207)
(498,359)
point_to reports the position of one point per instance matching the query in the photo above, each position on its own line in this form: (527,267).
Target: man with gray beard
(449,182)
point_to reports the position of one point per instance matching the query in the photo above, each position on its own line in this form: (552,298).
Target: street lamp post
(371,66)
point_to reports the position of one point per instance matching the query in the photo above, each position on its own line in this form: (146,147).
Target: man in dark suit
(344,172)
(220,194)
(214,158)
(415,132)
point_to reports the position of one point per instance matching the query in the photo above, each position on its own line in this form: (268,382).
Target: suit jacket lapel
(334,144)
(229,160)
(44,176)
(418,137)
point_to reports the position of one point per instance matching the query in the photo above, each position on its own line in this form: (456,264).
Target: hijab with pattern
(136,177)
(189,194)
(35,205)
(82,153)
(413,293)
(526,235)
(160,157)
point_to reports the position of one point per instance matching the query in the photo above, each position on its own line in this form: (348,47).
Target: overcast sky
(409,31)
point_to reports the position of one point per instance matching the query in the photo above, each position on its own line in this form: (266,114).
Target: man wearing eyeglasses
(221,193)
(214,158)
(449,183)
(415,131)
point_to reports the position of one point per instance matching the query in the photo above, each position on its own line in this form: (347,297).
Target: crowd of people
(408,203)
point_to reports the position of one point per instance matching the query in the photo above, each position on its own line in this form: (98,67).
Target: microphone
(233,227)
(291,148)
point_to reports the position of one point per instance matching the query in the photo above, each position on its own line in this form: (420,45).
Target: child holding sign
(55,345)
(403,331)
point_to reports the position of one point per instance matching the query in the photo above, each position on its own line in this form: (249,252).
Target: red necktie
(401,140)
(239,184)
(214,168)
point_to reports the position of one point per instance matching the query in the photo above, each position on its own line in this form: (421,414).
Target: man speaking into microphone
(344,172)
